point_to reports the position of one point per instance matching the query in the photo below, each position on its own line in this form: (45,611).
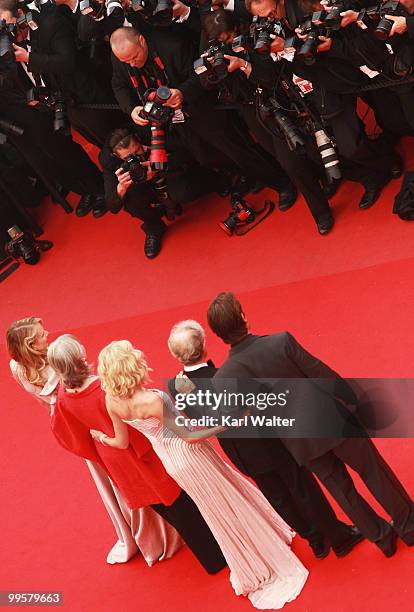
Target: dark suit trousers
(361,455)
(295,494)
(184,515)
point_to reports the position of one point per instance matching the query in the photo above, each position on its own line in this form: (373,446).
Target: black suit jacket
(250,455)
(280,356)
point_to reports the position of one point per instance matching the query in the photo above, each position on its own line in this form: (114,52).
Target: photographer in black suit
(183,182)
(292,490)
(162,58)
(281,356)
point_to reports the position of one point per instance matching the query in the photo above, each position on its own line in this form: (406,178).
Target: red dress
(137,471)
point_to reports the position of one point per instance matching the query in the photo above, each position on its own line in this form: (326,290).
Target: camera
(24,246)
(43,98)
(241,214)
(137,171)
(271,110)
(158,12)
(154,109)
(213,64)
(260,36)
(7,37)
(312,28)
(377,13)
(27,19)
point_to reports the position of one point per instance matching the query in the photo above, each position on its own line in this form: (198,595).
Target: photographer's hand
(348,17)
(277,44)
(180,10)
(325,45)
(124,182)
(21,55)
(176,99)
(399,26)
(238,63)
(136,118)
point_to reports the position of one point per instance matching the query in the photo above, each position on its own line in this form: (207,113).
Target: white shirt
(195,367)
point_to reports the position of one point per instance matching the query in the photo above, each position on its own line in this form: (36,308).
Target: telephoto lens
(328,154)
(383,29)
(290,131)
(60,121)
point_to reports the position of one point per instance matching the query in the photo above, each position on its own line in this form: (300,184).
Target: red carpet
(348,297)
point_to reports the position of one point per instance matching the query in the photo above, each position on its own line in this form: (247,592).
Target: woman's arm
(121,437)
(163,414)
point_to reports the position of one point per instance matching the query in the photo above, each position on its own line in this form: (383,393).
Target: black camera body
(213,64)
(92,8)
(157,12)
(43,98)
(7,38)
(24,246)
(154,110)
(368,16)
(137,171)
(260,35)
(240,214)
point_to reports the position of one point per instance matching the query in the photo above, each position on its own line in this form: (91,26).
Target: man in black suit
(281,356)
(163,58)
(290,489)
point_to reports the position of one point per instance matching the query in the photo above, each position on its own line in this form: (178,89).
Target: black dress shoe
(99,206)
(85,205)
(330,189)
(325,225)
(388,544)
(369,197)
(397,167)
(348,545)
(320,548)
(287,198)
(152,245)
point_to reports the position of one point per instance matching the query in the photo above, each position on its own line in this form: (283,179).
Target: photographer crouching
(133,183)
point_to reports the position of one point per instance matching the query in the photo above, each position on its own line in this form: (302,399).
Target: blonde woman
(27,345)
(253,538)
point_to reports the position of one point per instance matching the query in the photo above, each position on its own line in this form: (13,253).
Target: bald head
(187,342)
(129,46)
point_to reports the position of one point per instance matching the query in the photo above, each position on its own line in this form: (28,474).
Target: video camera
(158,12)
(42,97)
(260,36)
(213,64)
(24,246)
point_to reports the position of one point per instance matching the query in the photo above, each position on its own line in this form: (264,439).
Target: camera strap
(153,76)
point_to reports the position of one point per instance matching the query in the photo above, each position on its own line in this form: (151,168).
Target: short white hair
(187,342)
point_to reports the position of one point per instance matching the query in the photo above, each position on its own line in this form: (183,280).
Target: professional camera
(271,111)
(154,109)
(92,8)
(213,63)
(307,49)
(377,13)
(7,37)
(158,12)
(43,98)
(260,36)
(25,246)
(137,171)
(27,20)
(241,214)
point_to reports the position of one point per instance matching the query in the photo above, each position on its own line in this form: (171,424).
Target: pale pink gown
(254,539)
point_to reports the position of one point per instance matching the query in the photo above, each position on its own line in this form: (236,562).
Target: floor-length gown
(254,539)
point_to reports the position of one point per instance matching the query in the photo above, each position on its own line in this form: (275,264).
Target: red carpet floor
(348,297)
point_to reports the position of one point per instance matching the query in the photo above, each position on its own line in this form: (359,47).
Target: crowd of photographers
(184,98)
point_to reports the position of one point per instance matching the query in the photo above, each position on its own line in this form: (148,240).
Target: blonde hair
(20,338)
(187,342)
(122,369)
(67,357)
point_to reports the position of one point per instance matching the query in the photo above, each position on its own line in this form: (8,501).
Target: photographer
(139,191)
(244,77)
(52,154)
(141,62)
(331,77)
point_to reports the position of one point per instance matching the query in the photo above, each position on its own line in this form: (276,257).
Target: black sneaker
(85,205)
(152,245)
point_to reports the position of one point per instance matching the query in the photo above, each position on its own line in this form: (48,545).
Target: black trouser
(54,156)
(301,169)
(361,455)
(184,515)
(137,202)
(363,161)
(290,489)
(390,111)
